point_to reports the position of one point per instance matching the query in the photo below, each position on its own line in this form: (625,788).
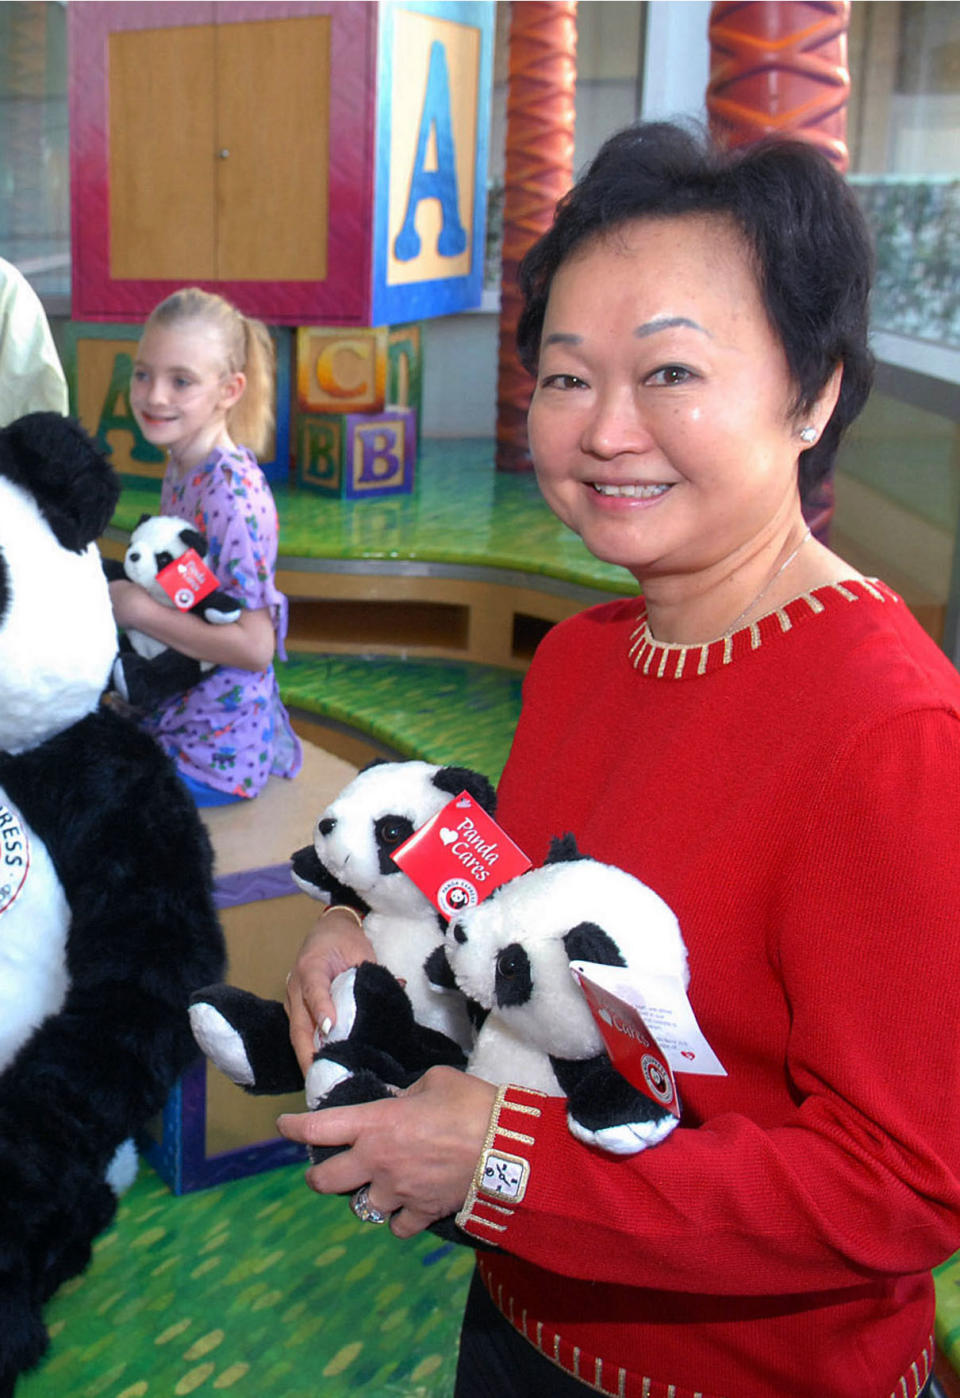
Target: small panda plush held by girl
(202,389)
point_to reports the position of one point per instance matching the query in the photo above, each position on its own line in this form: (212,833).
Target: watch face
(504,1176)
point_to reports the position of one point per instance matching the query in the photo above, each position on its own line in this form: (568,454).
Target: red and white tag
(460,856)
(187,580)
(14,856)
(649,1028)
(633,1050)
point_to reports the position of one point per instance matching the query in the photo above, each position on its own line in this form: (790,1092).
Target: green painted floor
(255,1289)
(438,710)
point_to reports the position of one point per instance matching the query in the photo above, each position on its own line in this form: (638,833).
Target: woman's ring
(364,1210)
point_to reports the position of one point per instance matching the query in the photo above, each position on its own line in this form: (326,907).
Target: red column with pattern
(539,169)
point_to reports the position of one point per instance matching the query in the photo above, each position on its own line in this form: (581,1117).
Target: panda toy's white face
(57,633)
(356,835)
(154,543)
(512,953)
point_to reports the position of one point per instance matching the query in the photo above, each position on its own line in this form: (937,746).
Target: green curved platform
(443,711)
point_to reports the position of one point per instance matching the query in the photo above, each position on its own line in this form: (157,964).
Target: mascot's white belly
(34,923)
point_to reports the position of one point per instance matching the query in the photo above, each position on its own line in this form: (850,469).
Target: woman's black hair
(808,238)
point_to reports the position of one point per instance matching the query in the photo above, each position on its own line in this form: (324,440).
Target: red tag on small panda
(187,580)
(633,1050)
(460,856)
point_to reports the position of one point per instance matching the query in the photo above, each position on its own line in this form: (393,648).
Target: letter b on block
(381,452)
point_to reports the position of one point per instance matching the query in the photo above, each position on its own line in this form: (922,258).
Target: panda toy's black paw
(247,1038)
(607,1111)
(375,1031)
(24,1339)
(144,683)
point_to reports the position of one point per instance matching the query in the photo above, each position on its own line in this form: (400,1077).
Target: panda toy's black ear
(475,784)
(62,468)
(193,539)
(374,762)
(143,519)
(563,849)
(588,942)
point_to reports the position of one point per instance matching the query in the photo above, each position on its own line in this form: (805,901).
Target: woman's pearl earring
(808,434)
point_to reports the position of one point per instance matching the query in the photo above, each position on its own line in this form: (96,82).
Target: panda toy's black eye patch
(389,832)
(513,983)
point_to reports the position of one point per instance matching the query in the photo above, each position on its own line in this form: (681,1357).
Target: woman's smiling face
(662,425)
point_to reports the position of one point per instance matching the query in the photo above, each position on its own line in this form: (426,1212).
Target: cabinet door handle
(224,153)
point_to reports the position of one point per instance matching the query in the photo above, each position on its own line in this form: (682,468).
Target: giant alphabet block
(352,191)
(357,456)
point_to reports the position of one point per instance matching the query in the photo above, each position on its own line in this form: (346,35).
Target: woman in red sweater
(771,743)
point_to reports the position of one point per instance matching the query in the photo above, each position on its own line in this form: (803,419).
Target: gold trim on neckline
(668,660)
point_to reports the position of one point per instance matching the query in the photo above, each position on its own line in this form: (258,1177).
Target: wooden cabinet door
(219,151)
(273,97)
(162,131)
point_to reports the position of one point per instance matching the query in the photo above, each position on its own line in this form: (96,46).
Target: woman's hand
(417,1151)
(335,944)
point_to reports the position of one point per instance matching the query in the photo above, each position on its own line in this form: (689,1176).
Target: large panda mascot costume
(106,914)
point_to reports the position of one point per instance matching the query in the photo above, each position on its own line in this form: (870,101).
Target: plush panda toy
(106,911)
(391,1020)
(511,954)
(147,671)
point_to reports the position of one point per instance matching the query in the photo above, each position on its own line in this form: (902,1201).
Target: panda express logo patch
(460,856)
(14,856)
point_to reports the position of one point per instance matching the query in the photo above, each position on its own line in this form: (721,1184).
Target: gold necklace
(767,586)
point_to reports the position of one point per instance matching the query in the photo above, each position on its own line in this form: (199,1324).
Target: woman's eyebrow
(650,327)
(560,337)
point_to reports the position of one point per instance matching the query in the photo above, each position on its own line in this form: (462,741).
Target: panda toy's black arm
(113,569)
(606,1110)
(219,608)
(146,681)
(135,865)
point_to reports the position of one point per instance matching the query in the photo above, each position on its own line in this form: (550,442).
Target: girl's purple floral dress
(231,730)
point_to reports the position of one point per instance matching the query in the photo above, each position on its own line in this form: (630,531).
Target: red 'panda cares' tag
(187,580)
(633,1050)
(648,1026)
(459,856)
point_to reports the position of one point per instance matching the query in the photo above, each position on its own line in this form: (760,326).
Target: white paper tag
(666,1011)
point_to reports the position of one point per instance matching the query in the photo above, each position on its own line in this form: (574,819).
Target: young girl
(203,389)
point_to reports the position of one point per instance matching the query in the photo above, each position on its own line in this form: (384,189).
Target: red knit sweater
(794,795)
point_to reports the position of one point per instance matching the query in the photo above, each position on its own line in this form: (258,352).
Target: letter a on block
(115,414)
(440,183)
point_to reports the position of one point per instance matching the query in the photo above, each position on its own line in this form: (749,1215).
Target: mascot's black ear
(374,762)
(588,942)
(194,540)
(563,849)
(457,779)
(66,472)
(143,519)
